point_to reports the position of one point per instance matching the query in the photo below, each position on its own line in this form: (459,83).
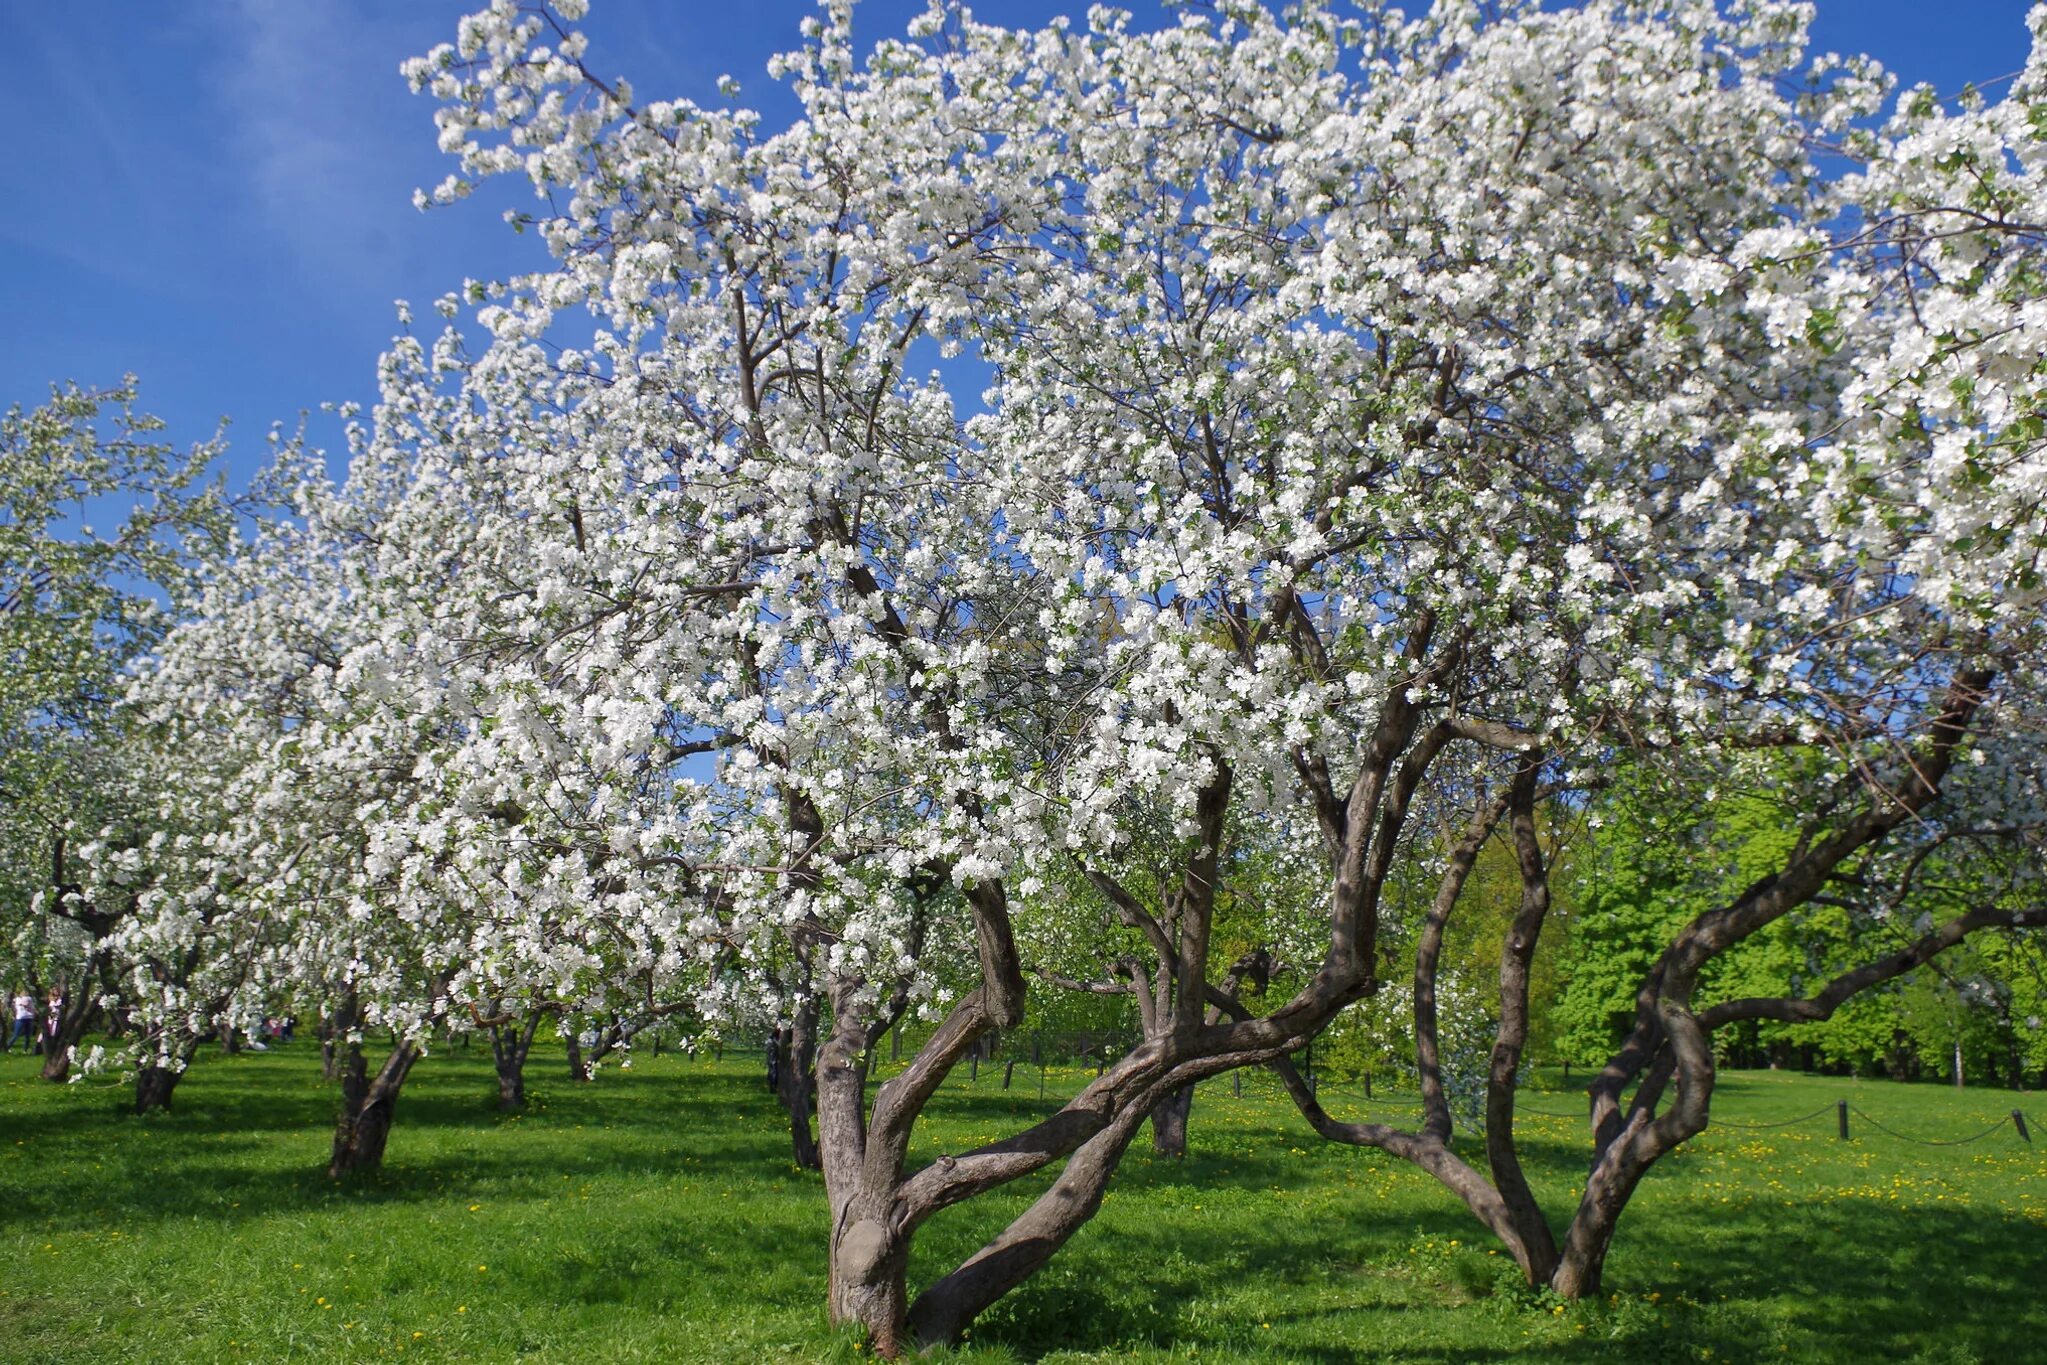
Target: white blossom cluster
(707,610)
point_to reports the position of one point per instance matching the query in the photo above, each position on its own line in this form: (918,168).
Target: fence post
(1237,1084)
(2020,1120)
(1008,1071)
(1368,1085)
(974,1065)
(1841,1109)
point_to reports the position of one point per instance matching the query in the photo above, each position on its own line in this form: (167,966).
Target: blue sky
(217,196)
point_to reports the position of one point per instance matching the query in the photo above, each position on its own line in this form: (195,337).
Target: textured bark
(868,1259)
(877,1205)
(1671,1045)
(368,1105)
(1536,1245)
(796,1083)
(511,1087)
(1169,1123)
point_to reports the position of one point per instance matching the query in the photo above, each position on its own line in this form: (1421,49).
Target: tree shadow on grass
(247,1138)
(1914,1284)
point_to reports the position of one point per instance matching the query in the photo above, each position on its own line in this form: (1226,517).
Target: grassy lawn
(654,1215)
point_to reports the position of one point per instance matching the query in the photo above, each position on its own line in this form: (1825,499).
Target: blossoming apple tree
(1373,417)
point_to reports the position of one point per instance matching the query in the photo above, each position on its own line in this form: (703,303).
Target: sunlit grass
(655,1215)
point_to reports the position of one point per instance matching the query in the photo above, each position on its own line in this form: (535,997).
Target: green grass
(654,1215)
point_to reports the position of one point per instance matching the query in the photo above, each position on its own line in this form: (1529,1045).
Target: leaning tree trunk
(942,1313)
(367,1105)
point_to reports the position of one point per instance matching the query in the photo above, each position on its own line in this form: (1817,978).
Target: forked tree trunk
(72,1018)
(510,1046)
(948,1307)
(367,1108)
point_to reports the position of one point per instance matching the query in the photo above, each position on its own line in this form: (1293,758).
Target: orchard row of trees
(1229,516)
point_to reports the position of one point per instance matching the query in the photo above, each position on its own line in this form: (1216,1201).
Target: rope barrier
(1786,1123)
(1929,1142)
(1823,1110)
(2019,1120)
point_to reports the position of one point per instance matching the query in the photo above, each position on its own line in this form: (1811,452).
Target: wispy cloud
(323,130)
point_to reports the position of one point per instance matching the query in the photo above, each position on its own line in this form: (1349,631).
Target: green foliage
(1657,856)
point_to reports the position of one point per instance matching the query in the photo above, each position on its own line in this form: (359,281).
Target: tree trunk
(71,1021)
(153,1087)
(869,1267)
(867,1258)
(511,1086)
(577,1071)
(1169,1123)
(949,1306)
(796,1081)
(509,1046)
(367,1105)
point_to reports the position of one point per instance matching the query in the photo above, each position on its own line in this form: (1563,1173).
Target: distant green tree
(1651,863)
